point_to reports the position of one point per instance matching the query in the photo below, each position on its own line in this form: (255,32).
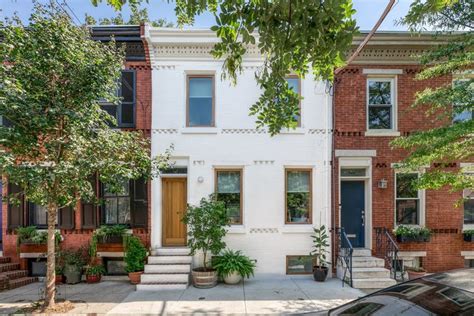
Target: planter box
(110,244)
(110,240)
(33,248)
(406,239)
(468,237)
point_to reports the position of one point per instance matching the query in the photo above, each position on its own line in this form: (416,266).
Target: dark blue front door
(353,211)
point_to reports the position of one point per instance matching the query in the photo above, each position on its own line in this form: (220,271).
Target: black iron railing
(387,249)
(345,255)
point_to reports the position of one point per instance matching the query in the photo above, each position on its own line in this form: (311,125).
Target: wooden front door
(174,197)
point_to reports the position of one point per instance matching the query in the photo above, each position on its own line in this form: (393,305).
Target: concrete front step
(167,268)
(169,259)
(164,278)
(370,273)
(13,284)
(182,251)
(15,274)
(372,283)
(5,259)
(361,252)
(9,267)
(161,286)
(367,262)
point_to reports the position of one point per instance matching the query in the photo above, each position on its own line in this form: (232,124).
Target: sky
(368,11)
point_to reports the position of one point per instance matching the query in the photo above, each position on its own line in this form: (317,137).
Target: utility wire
(72,11)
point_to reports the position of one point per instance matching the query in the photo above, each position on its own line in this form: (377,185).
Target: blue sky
(368,11)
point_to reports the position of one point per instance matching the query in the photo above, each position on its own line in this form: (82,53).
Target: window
(380,104)
(299,264)
(407,199)
(117,205)
(461,113)
(229,190)
(294,84)
(124,112)
(468,196)
(200,101)
(298,196)
(38,215)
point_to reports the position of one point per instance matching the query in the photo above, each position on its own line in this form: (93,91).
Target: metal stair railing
(345,254)
(387,249)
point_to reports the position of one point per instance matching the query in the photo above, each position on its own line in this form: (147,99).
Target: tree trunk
(50,292)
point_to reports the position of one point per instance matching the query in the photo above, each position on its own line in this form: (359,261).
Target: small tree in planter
(206,229)
(320,243)
(468,235)
(135,256)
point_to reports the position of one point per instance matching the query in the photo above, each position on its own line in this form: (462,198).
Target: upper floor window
(468,196)
(298,196)
(461,113)
(124,112)
(229,190)
(294,84)
(407,199)
(200,101)
(380,103)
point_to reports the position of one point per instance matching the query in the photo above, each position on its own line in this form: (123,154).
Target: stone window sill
(382,133)
(298,131)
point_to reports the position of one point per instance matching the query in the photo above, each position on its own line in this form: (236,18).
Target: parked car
(447,293)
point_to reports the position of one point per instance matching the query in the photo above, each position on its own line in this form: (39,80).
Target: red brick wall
(78,237)
(442,216)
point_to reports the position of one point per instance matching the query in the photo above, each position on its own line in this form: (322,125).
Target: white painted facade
(235,142)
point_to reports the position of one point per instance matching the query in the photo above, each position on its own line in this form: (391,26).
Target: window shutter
(15,212)
(139,196)
(66,218)
(89,210)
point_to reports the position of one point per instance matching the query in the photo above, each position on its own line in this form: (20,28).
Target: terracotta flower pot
(59,279)
(204,279)
(93,278)
(135,277)
(415,274)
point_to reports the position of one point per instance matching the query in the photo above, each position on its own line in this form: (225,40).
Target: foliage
(412,231)
(231,261)
(58,135)
(137,16)
(75,257)
(320,244)
(206,226)
(59,266)
(31,235)
(447,142)
(292,36)
(95,269)
(135,254)
(468,232)
(102,233)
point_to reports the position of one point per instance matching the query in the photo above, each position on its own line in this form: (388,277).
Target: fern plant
(234,261)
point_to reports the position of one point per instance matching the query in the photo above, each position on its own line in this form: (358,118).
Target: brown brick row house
(131,208)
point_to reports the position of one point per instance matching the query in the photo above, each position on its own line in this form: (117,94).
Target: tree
(52,75)
(452,140)
(293,36)
(137,16)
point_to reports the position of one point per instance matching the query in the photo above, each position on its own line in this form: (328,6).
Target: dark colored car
(447,293)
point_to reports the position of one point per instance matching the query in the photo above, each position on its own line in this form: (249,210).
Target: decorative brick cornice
(243,131)
(264,162)
(165,131)
(264,230)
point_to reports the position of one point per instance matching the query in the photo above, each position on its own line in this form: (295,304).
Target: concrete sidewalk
(278,295)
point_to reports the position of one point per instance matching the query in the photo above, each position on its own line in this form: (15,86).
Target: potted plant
(232,266)
(109,238)
(31,240)
(94,273)
(206,229)
(320,244)
(297,207)
(415,272)
(405,233)
(468,235)
(73,265)
(135,256)
(59,269)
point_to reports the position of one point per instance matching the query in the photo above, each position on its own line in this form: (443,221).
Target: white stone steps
(169,259)
(165,278)
(367,262)
(373,283)
(361,252)
(161,286)
(370,273)
(183,251)
(167,268)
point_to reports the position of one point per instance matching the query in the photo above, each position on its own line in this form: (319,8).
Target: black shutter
(66,218)
(139,201)
(89,210)
(15,212)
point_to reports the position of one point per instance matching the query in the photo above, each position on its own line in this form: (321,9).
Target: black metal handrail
(387,249)
(345,254)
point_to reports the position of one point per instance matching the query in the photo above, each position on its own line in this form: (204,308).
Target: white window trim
(421,198)
(467,169)
(383,132)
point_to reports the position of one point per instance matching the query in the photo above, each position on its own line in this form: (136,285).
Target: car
(446,293)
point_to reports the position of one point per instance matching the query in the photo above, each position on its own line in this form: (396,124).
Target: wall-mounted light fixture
(382,183)
(200,179)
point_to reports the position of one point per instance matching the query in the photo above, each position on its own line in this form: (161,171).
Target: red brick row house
(131,208)
(372,106)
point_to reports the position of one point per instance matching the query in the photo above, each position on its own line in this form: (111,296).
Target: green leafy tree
(452,140)
(137,16)
(52,76)
(293,37)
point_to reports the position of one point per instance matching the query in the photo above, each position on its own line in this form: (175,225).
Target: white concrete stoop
(368,272)
(167,269)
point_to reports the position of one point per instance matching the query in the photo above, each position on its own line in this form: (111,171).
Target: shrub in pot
(320,244)
(405,233)
(135,256)
(94,273)
(232,266)
(206,229)
(74,261)
(415,272)
(468,235)
(59,269)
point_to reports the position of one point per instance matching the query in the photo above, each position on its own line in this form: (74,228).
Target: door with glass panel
(174,199)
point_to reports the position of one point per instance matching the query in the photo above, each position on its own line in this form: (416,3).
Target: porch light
(382,183)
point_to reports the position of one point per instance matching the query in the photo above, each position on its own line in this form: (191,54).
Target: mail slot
(351,235)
